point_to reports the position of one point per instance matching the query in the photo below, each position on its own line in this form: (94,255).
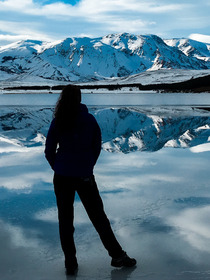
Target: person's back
(79,145)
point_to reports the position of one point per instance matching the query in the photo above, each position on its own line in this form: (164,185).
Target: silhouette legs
(65,188)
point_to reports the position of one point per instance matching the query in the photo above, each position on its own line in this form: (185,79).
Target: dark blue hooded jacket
(74,152)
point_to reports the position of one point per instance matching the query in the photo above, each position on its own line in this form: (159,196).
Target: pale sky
(52,20)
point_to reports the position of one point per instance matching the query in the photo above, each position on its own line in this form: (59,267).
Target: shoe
(71,268)
(124,260)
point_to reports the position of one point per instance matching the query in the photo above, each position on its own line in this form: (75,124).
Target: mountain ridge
(90,59)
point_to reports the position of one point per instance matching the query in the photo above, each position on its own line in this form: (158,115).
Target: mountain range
(92,59)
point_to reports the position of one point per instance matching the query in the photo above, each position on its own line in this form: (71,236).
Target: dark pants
(65,188)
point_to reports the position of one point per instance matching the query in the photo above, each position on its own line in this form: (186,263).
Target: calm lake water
(158,202)
(112,99)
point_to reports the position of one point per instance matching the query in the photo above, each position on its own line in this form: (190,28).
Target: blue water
(158,204)
(112,99)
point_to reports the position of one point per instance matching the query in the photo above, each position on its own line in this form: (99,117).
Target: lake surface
(112,99)
(158,202)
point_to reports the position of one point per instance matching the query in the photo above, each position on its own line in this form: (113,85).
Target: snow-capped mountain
(126,130)
(89,59)
(123,129)
(191,48)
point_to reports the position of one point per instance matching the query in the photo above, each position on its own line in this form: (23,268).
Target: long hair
(67,107)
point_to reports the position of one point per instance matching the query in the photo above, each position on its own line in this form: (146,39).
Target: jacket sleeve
(51,144)
(97,141)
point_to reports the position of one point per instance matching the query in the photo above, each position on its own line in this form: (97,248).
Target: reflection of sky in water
(158,204)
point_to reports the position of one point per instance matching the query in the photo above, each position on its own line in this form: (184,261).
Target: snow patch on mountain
(191,48)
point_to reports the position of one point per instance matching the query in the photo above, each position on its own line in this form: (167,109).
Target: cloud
(47,215)
(17,170)
(201,148)
(16,31)
(47,21)
(193,225)
(87,8)
(11,38)
(92,6)
(19,238)
(29,7)
(200,38)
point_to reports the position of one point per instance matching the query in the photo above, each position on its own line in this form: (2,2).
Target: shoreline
(193,85)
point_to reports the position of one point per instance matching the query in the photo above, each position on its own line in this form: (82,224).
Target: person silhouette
(72,147)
